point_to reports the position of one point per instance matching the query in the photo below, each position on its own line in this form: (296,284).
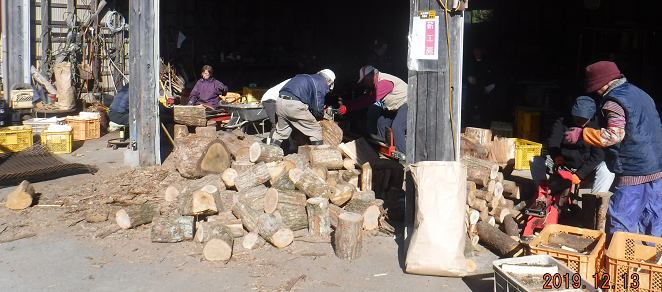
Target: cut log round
(247,214)
(329,158)
(510,190)
(344,193)
(215,194)
(349,163)
(485,195)
(197,203)
(180,132)
(331,133)
(499,213)
(172,229)
(479,204)
(496,240)
(21,197)
(274,231)
(260,152)
(255,175)
(498,190)
(171,193)
(366,177)
(318,217)
(270,200)
(218,243)
(228,177)
(234,143)
(471,198)
(197,156)
(500,177)
(310,183)
(241,166)
(321,170)
(370,210)
(299,160)
(490,185)
(474,216)
(471,185)
(207,131)
(252,240)
(277,169)
(510,226)
(136,215)
(284,183)
(348,236)
(293,216)
(480,171)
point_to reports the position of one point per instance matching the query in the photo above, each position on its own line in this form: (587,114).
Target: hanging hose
(109,19)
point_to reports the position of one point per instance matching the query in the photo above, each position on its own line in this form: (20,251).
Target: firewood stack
(265,197)
(493,203)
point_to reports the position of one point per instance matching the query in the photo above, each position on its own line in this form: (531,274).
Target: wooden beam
(143,59)
(17,45)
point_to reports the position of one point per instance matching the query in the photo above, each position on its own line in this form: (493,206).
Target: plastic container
(39,124)
(505,282)
(629,257)
(15,138)
(59,142)
(528,124)
(254,94)
(502,129)
(524,151)
(84,129)
(586,265)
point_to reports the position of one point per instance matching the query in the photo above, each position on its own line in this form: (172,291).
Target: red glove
(574,135)
(559,161)
(342,110)
(575,179)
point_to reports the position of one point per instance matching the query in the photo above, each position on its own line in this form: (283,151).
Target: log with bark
(21,197)
(370,210)
(329,158)
(255,175)
(247,214)
(496,240)
(510,190)
(260,152)
(478,204)
(321,170)
(203,228)
(241,166)
(470,147)
(293,216)
(253,196)
(218,243)
(206,131)
(180,132)
(349,163)
(331,133)
(499,213)
(197,203)
(300,161)
(345,191)
(318,217)
(284,183)
(366,177)
(276,169)
(359,150)
(292,197)
(190,115)
(198,156)
(334,212)
(172,229)
(480,171)
(234,143)
(471,185)
(482,136)
(310,183)
(305,150)
(485,195)
(228,198)
(510,226)
(274,231)
(348,236)
(228,177)
(135,215)
(252,240)
(602,211)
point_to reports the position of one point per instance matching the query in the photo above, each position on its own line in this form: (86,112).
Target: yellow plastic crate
(58,142)
(528,124)
(632,256)
(585,265)
(524,151)
(16,138)
(85,129)
(253,94)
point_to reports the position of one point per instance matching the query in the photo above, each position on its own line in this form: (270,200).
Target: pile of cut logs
(234,187)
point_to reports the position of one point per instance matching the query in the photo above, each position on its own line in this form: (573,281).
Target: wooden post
(143,58)
(45,34)
(348,236)
(16,49)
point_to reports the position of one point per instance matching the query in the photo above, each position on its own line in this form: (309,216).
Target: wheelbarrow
(243,114)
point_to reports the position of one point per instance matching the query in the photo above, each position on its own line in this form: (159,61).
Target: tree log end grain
(276,169)
(171,194)
(348,236)
(136,215)
(349,163)
(252,240)
(228,177)
(321,170)
(270,200)
(216,160)
(21,197)
(371,218)
(203,204)
(217,250)
(274,231)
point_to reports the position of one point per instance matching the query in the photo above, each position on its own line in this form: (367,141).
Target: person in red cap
(632,133)
(390,93)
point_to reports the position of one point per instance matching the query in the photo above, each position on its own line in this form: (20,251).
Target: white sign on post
(425,42)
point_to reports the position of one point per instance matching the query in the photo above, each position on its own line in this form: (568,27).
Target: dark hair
(207,68)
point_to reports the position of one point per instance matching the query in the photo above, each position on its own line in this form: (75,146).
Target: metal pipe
(3,40)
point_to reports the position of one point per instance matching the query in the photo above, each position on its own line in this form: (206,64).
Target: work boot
(316,143)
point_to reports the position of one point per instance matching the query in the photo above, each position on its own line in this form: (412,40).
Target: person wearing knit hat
(631,132)
(585,161)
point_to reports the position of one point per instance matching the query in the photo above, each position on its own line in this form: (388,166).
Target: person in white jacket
(269,104)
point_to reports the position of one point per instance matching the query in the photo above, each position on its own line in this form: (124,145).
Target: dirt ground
(64,251)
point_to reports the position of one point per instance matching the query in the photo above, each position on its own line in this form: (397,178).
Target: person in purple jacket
(207,89)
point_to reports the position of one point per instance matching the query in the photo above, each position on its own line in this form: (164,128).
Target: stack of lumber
(259,196)
(480,143)
(492,212)
(171,83)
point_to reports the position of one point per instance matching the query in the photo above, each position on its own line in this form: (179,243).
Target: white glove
(489,88)
(472,80)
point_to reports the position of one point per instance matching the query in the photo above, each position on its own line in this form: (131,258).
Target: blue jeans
(636,209)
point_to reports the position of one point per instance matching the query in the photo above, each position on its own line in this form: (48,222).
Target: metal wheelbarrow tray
(244,113)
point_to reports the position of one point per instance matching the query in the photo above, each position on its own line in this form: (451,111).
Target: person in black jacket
(583,159)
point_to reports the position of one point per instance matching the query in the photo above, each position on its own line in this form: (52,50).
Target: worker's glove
(575,179)
(342,110)
(472,80)
(574,135)
(489,88)
(558,161)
